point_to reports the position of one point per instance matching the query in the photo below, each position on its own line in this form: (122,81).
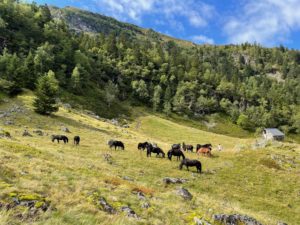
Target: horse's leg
(187,168)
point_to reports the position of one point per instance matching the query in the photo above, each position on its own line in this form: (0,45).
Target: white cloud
(196,12)
(268,22)
(201,39)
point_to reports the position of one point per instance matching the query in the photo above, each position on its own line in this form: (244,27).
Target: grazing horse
(190,163)
(187,147)
(175,152)
(157,150)
(116,144)
(176,146)
(203,146)
(63,138)
(204,151)
(76,140)
(143,146)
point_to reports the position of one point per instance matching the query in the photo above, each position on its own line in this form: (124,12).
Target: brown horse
(204,151)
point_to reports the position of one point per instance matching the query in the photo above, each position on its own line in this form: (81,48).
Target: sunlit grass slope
(237,180)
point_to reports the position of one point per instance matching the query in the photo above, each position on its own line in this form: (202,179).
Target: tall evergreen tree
(46,94)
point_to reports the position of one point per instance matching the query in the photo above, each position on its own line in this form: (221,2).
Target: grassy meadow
(262,183)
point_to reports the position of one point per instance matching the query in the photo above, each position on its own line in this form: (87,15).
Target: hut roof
(274,131)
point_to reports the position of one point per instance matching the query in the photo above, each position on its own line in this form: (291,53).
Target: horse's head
(181,164)
(170,154)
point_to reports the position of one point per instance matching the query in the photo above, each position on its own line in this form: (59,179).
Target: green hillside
(68,69)
(115,64)
(261,183)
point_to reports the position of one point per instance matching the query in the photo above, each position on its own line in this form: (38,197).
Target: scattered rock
(281,223)
(184,193)
(127,178)
(126,126)
(114,122)
(201,221)
(4,134)
(169,180)
(8,122)
(26,134)
(67,106)
(4,114)
(130,212)
(65,129)
(35,205)
(146,205)
(38,132)
(107,157)
(141,196)
(106,207)
(235,219)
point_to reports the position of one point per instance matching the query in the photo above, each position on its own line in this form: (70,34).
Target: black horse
(175,152)
(63,138)
(203,146)
(187,147)
(143,146)
(157,150)
(116,144)
(190,163)
(176,146)
(76,140)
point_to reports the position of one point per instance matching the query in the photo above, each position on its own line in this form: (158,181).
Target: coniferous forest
(254,86)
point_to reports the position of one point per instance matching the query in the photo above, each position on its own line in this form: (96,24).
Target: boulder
(146,205)
(235,219)
(184,193)
(170,180)
(281,223)
(141,196)
(65,129)
(201,221)
(26,134)
(106,207)
(8,122)
(114,122)
(130,212)
(4,134)
(127,178)
(38,132)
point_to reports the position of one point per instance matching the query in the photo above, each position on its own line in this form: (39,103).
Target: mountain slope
(85,21)
(71,179)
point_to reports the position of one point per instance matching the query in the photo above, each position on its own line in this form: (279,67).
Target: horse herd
(176,150)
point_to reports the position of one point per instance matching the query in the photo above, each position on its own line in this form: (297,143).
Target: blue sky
(268,22)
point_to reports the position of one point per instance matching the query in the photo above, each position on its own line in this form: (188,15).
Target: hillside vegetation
(103,79)
(261,183)
(108,62)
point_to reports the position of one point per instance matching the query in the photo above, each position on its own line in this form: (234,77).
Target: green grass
(73,178)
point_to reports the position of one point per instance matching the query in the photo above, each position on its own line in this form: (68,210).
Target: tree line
(254,86)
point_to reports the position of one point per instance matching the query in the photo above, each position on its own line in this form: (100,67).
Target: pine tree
(46,93)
